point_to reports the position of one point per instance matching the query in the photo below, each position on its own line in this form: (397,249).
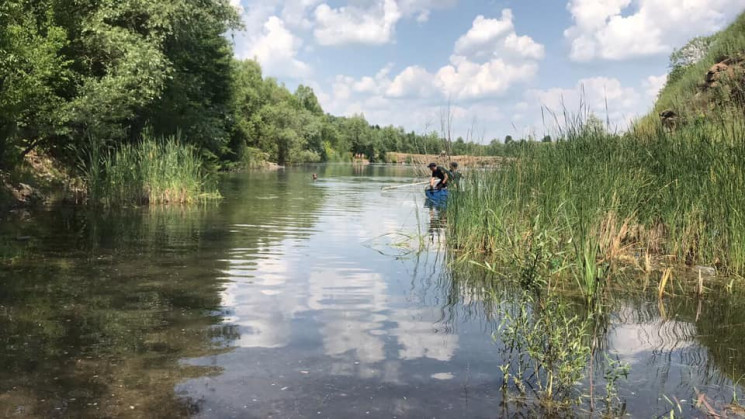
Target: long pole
(385,188)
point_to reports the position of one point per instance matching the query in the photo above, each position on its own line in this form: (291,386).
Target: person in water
(315,176)
(438,173)
(454,174)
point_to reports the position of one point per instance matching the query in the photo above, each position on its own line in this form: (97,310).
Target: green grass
(600,200)
(153,171)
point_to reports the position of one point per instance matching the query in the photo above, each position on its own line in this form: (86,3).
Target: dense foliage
(76,73)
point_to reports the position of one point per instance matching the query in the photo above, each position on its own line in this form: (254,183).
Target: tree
(690,54)
(33,74)
(308,100)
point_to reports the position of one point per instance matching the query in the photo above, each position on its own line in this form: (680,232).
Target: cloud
(654,84)
(468,80)
(295,13)
(370,23)
(622,29)
(487,61)
(414,81)
(354,25)
(495,38)
(276,49)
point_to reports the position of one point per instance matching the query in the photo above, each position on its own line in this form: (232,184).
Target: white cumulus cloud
(487,61)
(495,38)
(371,22)
(624,29)
(466,80)
(356,25)
(653,85)
(276,49)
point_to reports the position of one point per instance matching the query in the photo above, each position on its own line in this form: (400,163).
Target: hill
(707,81)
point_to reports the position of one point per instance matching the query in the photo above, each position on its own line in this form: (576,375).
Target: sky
(497,67)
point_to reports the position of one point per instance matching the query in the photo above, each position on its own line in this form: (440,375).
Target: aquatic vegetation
(607,202)
(153,171)
(548,350)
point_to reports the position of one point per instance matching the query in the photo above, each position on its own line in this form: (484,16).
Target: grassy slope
(684,95)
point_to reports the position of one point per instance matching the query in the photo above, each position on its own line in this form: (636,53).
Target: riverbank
(464,161)
(36,181)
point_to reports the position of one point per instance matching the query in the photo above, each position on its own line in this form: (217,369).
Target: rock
(731,68)
(705,271)
(669,118)
(24,193)
(717,71)
(668,113)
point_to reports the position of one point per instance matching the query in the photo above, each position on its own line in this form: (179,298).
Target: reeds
(603,200)
(153,171)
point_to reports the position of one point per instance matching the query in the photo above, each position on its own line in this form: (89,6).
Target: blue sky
(494,63)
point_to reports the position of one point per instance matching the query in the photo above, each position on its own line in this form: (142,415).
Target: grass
(153,171)
(601,201)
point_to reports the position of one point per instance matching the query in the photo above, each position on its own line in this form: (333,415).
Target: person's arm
(445,179)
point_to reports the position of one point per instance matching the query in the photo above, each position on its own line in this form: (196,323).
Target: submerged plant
(548,351)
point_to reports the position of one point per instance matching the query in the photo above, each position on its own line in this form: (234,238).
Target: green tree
(690,54)
(308,100)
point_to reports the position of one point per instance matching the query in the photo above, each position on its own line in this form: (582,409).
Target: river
(298,298)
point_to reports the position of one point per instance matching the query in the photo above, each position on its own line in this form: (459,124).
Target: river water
(294,298)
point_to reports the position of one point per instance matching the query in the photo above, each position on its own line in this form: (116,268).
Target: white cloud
(468,80)
(488,61)
(270,34)
(622,29)
(653,85)
(276,49)
(295,13)
(414,81)
(354,25)
(496,38)
(372,22)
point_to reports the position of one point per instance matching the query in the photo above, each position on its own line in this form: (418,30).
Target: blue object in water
(437,196)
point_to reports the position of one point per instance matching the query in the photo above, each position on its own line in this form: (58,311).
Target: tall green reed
(152,171)
(607,199)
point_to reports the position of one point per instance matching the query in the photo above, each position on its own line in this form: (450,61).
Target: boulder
(729,67)
(669,118)
(717,71)
(24,193)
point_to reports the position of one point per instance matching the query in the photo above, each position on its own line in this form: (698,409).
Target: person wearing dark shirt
(438,173)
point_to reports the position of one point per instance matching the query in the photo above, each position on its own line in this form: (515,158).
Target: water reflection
(294,297)
(92,327)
